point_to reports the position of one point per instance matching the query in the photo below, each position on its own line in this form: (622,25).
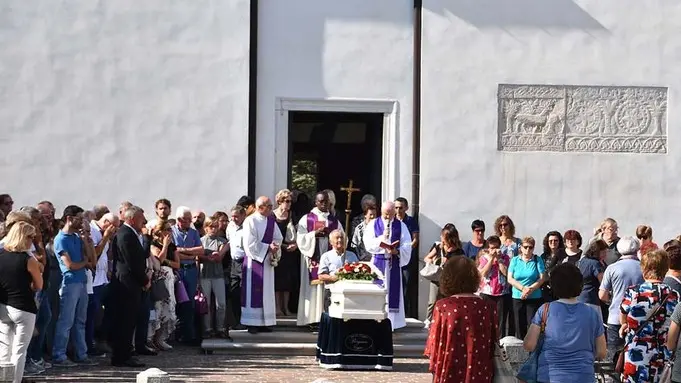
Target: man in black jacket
(129,281)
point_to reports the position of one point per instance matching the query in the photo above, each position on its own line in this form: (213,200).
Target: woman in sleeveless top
(449,246)
(165,261)
(286,277)
(20,277)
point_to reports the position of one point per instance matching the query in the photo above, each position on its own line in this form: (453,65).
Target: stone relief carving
(568,118)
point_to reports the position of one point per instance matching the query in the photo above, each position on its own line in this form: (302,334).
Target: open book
(390,246)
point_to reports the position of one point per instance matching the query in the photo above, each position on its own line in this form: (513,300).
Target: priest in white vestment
(313,241)
(261,241)
(388,240)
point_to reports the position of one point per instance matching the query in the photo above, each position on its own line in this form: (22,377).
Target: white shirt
(103,262)
(235,238)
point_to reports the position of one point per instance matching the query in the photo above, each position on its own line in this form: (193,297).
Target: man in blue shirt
(75,252)
(189,246)
(410,271)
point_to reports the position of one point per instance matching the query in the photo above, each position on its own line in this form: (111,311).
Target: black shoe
(252,330)
(132,362)
(95,353)
(238,327)
(265,329)
(145,351)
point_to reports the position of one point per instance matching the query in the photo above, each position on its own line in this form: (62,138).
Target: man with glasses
(6,203)
(410,271)
(477,241)
(262,240)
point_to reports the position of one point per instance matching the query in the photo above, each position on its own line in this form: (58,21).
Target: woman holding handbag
(645,317)
(440,252)
(166,262)
(565,336)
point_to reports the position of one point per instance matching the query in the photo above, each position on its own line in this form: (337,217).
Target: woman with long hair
(166,260)
(20,277)
(553,255)
(448,247)
(504,228)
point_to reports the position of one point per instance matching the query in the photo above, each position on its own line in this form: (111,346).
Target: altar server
(389,242)
(262,241)
(313,241)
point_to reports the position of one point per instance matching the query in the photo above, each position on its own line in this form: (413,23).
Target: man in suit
(129,282)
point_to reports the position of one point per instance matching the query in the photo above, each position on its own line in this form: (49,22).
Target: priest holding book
(313,241)
(388,240)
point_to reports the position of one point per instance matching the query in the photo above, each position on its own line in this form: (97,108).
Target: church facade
(557,113)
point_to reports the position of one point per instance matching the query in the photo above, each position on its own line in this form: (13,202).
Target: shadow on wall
(542,14)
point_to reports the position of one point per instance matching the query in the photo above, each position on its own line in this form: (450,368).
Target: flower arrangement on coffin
(358,271)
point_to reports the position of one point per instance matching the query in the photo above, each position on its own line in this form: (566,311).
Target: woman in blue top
(526,275)
(574,335)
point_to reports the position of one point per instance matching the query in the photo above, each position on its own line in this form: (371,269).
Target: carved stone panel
(567,118)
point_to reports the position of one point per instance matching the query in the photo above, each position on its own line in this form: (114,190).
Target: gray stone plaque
(568,118)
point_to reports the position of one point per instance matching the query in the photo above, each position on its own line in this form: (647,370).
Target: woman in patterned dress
(165,262)
(645,352)
(463,333)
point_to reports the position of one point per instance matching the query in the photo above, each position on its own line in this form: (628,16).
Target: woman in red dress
(463,333)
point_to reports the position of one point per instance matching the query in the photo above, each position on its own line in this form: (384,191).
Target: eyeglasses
(528,247)
(286,201)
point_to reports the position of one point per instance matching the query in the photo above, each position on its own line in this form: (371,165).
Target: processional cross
(348,189)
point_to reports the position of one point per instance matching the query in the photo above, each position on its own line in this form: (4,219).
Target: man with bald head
(261,240)
(388,240)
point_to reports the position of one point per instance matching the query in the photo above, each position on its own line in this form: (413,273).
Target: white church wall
(323,49)
(470,47)
(106,101)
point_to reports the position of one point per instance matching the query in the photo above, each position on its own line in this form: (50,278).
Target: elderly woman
(526,273)
(463,334)
(573,335)
(286,274)
(20,277)
(645,339)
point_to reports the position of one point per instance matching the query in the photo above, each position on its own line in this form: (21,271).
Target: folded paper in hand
(390,246)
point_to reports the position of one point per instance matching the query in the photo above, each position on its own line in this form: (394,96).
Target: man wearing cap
(617,278)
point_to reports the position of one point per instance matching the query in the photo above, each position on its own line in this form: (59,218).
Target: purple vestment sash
(314,264)
(257,270)
(395,269)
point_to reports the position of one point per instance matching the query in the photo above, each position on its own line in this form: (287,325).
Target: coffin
(357,300)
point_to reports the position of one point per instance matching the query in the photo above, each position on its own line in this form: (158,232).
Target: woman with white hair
(20,276)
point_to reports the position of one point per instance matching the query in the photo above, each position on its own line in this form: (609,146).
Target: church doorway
(328,150)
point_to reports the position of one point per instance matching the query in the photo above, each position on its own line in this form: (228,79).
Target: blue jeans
(186,311)
(73,300)
(35,348)
(94,307)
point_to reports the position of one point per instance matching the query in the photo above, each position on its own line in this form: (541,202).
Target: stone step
(284,336)
(289,324)
(283,347)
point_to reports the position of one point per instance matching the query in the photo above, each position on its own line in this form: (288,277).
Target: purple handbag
(201,302)
(181,295)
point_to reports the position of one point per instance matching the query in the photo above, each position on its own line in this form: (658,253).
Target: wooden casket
(357,300)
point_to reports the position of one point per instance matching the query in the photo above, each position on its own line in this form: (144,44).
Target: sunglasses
(527,247)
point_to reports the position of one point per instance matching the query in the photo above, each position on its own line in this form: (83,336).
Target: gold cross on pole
(348,189)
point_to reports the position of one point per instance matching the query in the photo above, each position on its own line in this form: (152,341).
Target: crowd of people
(616,299)
(97,282)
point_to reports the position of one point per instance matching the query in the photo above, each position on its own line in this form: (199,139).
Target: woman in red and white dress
(463,333)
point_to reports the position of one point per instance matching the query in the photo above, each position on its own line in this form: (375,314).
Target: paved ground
(187,365)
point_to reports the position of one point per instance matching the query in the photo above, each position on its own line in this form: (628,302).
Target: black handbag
(158,290)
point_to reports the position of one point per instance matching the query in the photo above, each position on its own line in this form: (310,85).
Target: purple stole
(395,270)
(257,270)
(314,264)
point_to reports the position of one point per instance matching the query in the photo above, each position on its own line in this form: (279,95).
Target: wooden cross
(348,189)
